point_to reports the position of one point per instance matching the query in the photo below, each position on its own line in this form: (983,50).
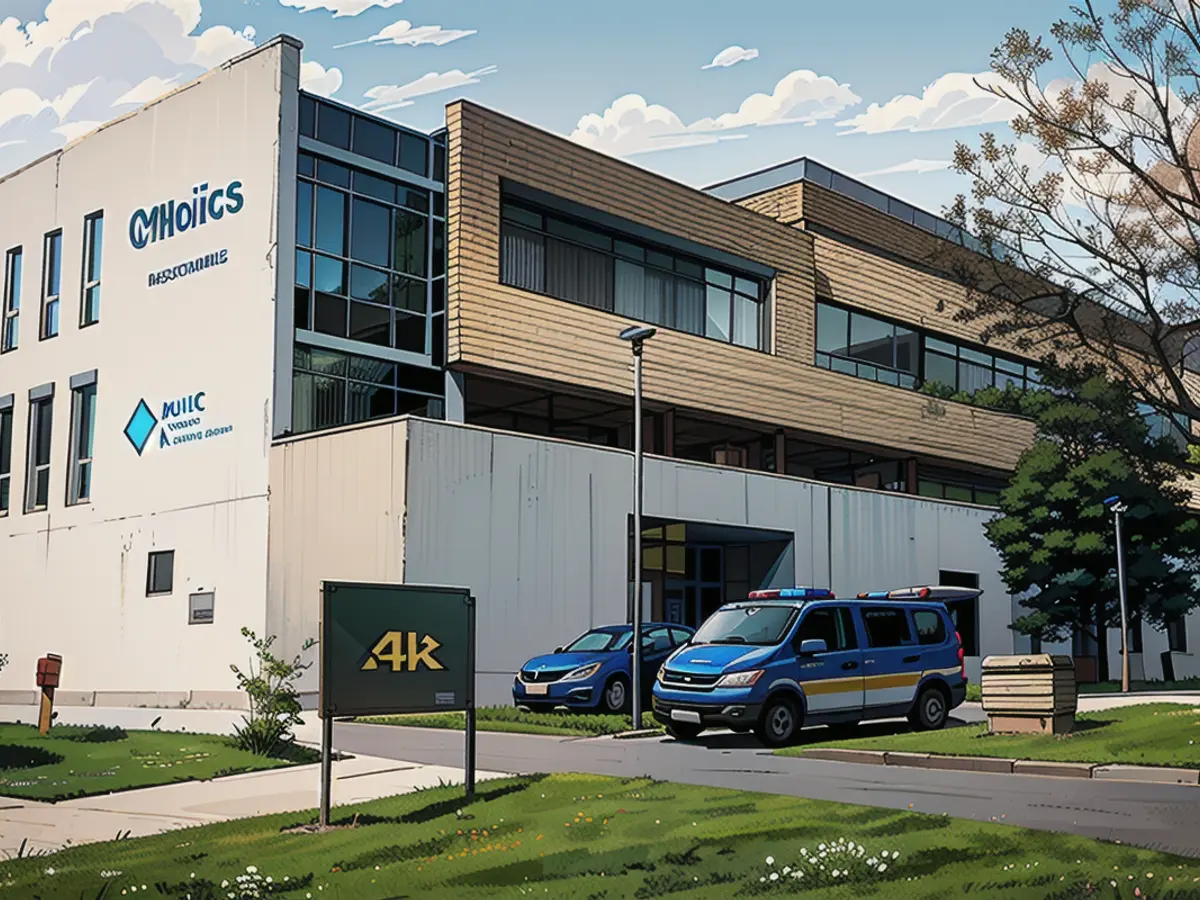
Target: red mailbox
(49,668)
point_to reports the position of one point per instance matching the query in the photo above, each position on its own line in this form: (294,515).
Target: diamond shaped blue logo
(140,427)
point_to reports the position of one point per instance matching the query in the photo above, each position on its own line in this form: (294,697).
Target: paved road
(1159,817)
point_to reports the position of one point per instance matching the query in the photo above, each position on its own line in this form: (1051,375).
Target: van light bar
(798,593)
(901,594)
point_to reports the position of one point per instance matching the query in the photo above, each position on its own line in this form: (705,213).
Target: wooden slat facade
(496,327)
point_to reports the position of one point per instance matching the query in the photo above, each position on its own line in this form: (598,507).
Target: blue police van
(785,659)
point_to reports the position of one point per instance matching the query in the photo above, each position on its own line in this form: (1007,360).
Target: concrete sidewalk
(48,827)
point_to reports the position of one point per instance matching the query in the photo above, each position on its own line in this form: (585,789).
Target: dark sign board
(396,648)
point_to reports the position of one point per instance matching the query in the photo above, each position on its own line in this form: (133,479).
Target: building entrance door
(696,596)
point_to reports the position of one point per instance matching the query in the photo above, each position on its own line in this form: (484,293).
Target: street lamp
(637,335)
(1118,510)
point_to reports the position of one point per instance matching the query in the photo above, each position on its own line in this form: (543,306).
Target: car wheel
(779,723)
(684,731)
(615,698)
(931,710)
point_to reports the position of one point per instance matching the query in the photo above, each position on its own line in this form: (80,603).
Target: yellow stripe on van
(883,682)
(831,686)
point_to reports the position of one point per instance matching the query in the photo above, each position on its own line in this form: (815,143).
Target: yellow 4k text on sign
(398,651)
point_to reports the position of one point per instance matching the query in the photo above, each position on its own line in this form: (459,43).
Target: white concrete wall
(336,514)
(538,529)
(74,577)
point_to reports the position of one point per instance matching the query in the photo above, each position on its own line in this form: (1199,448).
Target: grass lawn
(79,761)
(1160,734)
(511,719)
(571,837)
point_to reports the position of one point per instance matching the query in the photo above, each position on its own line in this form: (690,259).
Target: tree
(1087,225)
(270,686)
(1054,535)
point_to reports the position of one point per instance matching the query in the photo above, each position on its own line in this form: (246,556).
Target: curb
(1000,766)
(637,735)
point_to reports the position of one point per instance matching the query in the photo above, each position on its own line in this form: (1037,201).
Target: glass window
(333,126)
(304,210)
(631,251)
(1007,365)
(886,627)
(833,329)
(329,275)
(746,287)
(833,625)
(413,198)
(975,356)
(408,293)
(578,234)
(83,426)
(871,340)
(662,260)
(414,153)
(957,492)
(160,572)
(409,242)
(1177,641)
(931,628)
(329,315)
(6,437)
(756,625)
(370,324)
(439,163)
(689,306)
(932,343)
(332,173)
(907,344)
(719,278)
(12,299)
(51,284)
(438,249)
(306,165)
(37,479)
(629,290)
(369,284)
(370,232)
(972,377)
(746,321)
(689,268)
(372,186)
(523,259)
(308,116)
(374,140)
(93,246)
(940,369)
(717,313)
(522,216)
(437,293)
(987,498)
(331,221)
(410,332)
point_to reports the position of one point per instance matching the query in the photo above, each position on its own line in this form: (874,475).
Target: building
(295,342)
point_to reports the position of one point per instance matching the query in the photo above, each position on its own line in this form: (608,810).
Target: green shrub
(270,686)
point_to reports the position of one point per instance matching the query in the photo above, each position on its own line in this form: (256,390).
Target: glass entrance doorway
(691,599)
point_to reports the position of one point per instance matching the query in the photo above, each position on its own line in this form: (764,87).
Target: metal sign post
(393,649)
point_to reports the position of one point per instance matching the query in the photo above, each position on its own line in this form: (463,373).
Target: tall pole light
(637,335)
(1118,510)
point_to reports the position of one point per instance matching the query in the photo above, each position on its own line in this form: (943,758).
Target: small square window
(160,572)
(200,608)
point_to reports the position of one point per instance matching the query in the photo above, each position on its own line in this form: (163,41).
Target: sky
(699,92)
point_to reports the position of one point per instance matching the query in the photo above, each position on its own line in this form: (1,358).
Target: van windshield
(759,625)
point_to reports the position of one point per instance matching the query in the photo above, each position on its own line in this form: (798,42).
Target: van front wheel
(931,711)
(779,724)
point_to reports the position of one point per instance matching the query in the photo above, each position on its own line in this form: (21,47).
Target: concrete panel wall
(336,514)
(74,576)
(538,529)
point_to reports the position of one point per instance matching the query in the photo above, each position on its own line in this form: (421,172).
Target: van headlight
(740,679)
(583,673)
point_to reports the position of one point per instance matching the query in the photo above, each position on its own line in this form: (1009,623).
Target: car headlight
(658,676)
(582,673)
(740,679)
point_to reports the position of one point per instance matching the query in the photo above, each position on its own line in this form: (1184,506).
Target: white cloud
(385,97)
(731,56)
(316,79)
(955,100)
(630,125)
(339,8)
(403,32)
(86,62)
(918,166)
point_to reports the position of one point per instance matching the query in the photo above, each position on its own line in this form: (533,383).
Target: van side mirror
(812,647)
(558,649)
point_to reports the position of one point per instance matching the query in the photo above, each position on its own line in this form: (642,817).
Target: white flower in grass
(770,860)
(786,869)
(872,862)
(836,873)
(774,876)
(820,846)
(883,867)
(50,871)
(251,869)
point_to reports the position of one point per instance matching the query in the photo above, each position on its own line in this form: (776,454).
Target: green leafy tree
(270,686)
(1055,536)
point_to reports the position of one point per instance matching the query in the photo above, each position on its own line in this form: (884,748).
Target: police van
(785,659)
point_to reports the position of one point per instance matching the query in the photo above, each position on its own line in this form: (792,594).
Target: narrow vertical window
(6,429)
(160,572)
(41,424)
(93,245)
(83,427)
(12,300)
(51,283)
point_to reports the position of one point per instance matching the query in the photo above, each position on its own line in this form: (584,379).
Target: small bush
(99,734)
(270,685)
(18,756)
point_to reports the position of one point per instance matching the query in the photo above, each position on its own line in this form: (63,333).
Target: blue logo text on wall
(166,220)
(182,421)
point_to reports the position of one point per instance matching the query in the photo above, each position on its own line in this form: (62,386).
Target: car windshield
(599,641)
(760,625)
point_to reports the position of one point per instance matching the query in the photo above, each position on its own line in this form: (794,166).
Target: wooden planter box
(1033,694)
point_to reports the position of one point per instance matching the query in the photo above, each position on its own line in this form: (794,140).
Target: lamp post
(1118,510)
(637,335)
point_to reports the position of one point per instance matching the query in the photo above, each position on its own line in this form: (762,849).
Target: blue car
(593,671)
(784,659)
